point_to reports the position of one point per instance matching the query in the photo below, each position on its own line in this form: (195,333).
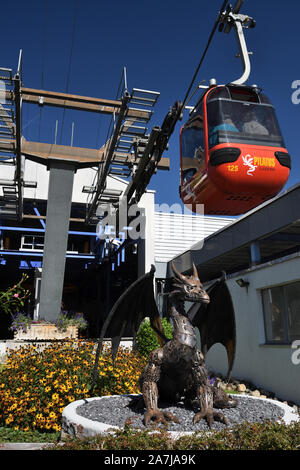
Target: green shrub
(11,435)
(246,436)
(146,338)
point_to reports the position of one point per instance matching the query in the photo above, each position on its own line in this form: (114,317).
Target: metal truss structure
(128,152)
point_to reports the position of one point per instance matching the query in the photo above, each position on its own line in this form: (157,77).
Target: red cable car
(232,154)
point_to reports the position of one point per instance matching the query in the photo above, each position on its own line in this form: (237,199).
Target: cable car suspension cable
(205,51)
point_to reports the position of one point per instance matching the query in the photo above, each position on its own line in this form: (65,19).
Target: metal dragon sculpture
(176,371)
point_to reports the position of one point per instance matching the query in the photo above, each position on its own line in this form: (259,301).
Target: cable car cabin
(232,154)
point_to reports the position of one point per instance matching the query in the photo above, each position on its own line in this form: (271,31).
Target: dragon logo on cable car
(248,161)
(232,133)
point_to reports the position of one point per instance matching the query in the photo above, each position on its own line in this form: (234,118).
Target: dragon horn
(177,273)
(195,272)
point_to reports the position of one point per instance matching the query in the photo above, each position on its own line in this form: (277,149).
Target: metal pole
(125,80)
(19,169)
(243,53)
(72,134)
(20,64)
(55,135)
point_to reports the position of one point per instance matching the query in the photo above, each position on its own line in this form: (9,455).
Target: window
(242,122)
(281,306)
(192,147)
(32,242)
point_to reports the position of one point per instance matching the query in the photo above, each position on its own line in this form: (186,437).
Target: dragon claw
(210,417)
(159,417)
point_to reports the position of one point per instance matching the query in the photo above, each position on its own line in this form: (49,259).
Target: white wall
(176,233)
(40,174)
(267,366)
(147,255)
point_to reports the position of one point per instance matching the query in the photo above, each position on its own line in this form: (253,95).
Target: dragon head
(189,288)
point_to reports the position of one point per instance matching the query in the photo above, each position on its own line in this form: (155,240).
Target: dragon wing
(216,321)
(135,304)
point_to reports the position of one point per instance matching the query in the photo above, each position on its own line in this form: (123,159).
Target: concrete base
(77,426)
(44,331)
(24,445)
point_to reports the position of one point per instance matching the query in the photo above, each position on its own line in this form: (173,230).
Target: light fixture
(242,282)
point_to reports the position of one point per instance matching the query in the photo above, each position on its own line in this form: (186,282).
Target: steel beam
(43,217)
(85,157)
(77,102)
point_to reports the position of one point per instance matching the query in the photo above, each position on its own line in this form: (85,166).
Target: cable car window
(242,122)
(218,92)
(264,99)
(244,94)
(192,147)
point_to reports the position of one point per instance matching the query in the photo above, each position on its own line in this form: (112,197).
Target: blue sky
(160,43)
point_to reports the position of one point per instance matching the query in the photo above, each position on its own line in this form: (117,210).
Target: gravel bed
(116,410)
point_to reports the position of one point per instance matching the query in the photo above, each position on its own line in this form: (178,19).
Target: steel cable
(204,53)
(70,63)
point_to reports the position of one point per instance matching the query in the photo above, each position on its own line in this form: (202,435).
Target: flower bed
(35,385)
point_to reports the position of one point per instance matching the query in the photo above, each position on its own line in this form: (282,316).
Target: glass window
(292,295)
(244,94)
(264,99)
(243,122)
(218,92)
(192,147)
(281,307)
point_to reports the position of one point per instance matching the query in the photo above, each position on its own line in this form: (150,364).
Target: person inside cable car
(256,123)
(252,124)
(227,125)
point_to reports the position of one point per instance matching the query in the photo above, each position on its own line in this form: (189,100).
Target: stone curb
(78,426)
(24,445)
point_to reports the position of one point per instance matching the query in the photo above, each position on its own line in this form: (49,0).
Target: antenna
(72,134)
